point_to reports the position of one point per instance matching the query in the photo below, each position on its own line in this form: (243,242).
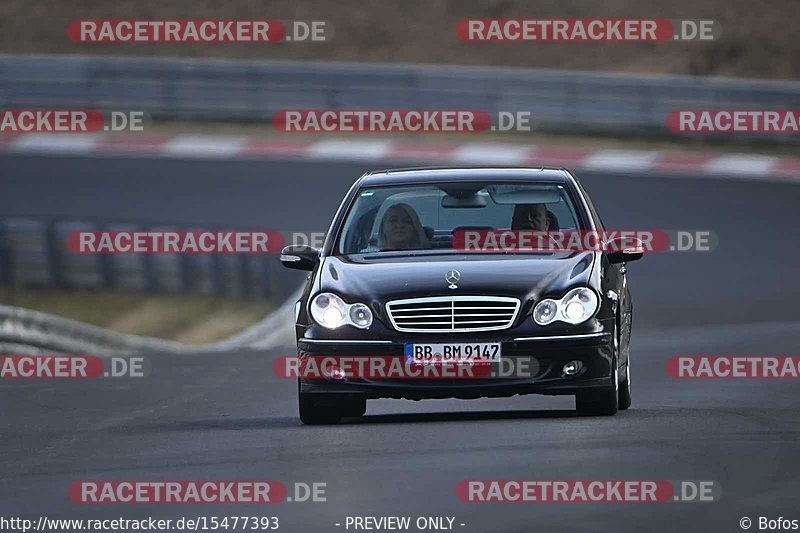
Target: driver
(401,230)
(530,217)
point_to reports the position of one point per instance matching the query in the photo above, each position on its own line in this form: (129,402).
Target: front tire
(603,402)
(625,388)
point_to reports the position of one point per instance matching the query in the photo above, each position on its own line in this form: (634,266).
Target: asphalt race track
(227,417)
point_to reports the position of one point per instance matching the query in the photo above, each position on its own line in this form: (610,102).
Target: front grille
(453,313)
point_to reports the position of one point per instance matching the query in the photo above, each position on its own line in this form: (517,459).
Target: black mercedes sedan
(398,278)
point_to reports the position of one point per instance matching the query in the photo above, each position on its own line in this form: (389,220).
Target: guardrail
(238,90)
(33,252)
(27,332)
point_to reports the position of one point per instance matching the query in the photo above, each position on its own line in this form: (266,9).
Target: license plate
(459,353)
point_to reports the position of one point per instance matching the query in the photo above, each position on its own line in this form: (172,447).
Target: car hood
(377,279)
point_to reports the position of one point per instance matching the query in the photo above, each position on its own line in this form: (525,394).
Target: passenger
(401,230)
(530,217)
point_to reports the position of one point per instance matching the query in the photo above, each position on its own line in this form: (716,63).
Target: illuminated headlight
(330,311)
(577,306)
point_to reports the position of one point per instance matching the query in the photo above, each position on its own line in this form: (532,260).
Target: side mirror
(299,257)
(623,250)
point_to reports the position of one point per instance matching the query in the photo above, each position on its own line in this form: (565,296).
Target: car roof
(445,174)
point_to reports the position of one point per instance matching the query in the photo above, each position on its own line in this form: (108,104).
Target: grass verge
(191,319)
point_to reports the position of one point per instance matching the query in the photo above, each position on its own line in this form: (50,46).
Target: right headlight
(330,311)
(577,306)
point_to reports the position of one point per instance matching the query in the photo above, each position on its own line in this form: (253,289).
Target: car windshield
(425,217)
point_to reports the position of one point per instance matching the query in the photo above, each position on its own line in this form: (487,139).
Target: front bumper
(595,349)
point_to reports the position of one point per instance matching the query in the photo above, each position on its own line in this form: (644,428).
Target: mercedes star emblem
(452,278)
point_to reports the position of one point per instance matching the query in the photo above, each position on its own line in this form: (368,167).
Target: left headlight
(577,306)
(330,311)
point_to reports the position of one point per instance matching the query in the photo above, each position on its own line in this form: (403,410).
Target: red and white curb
(734,165)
